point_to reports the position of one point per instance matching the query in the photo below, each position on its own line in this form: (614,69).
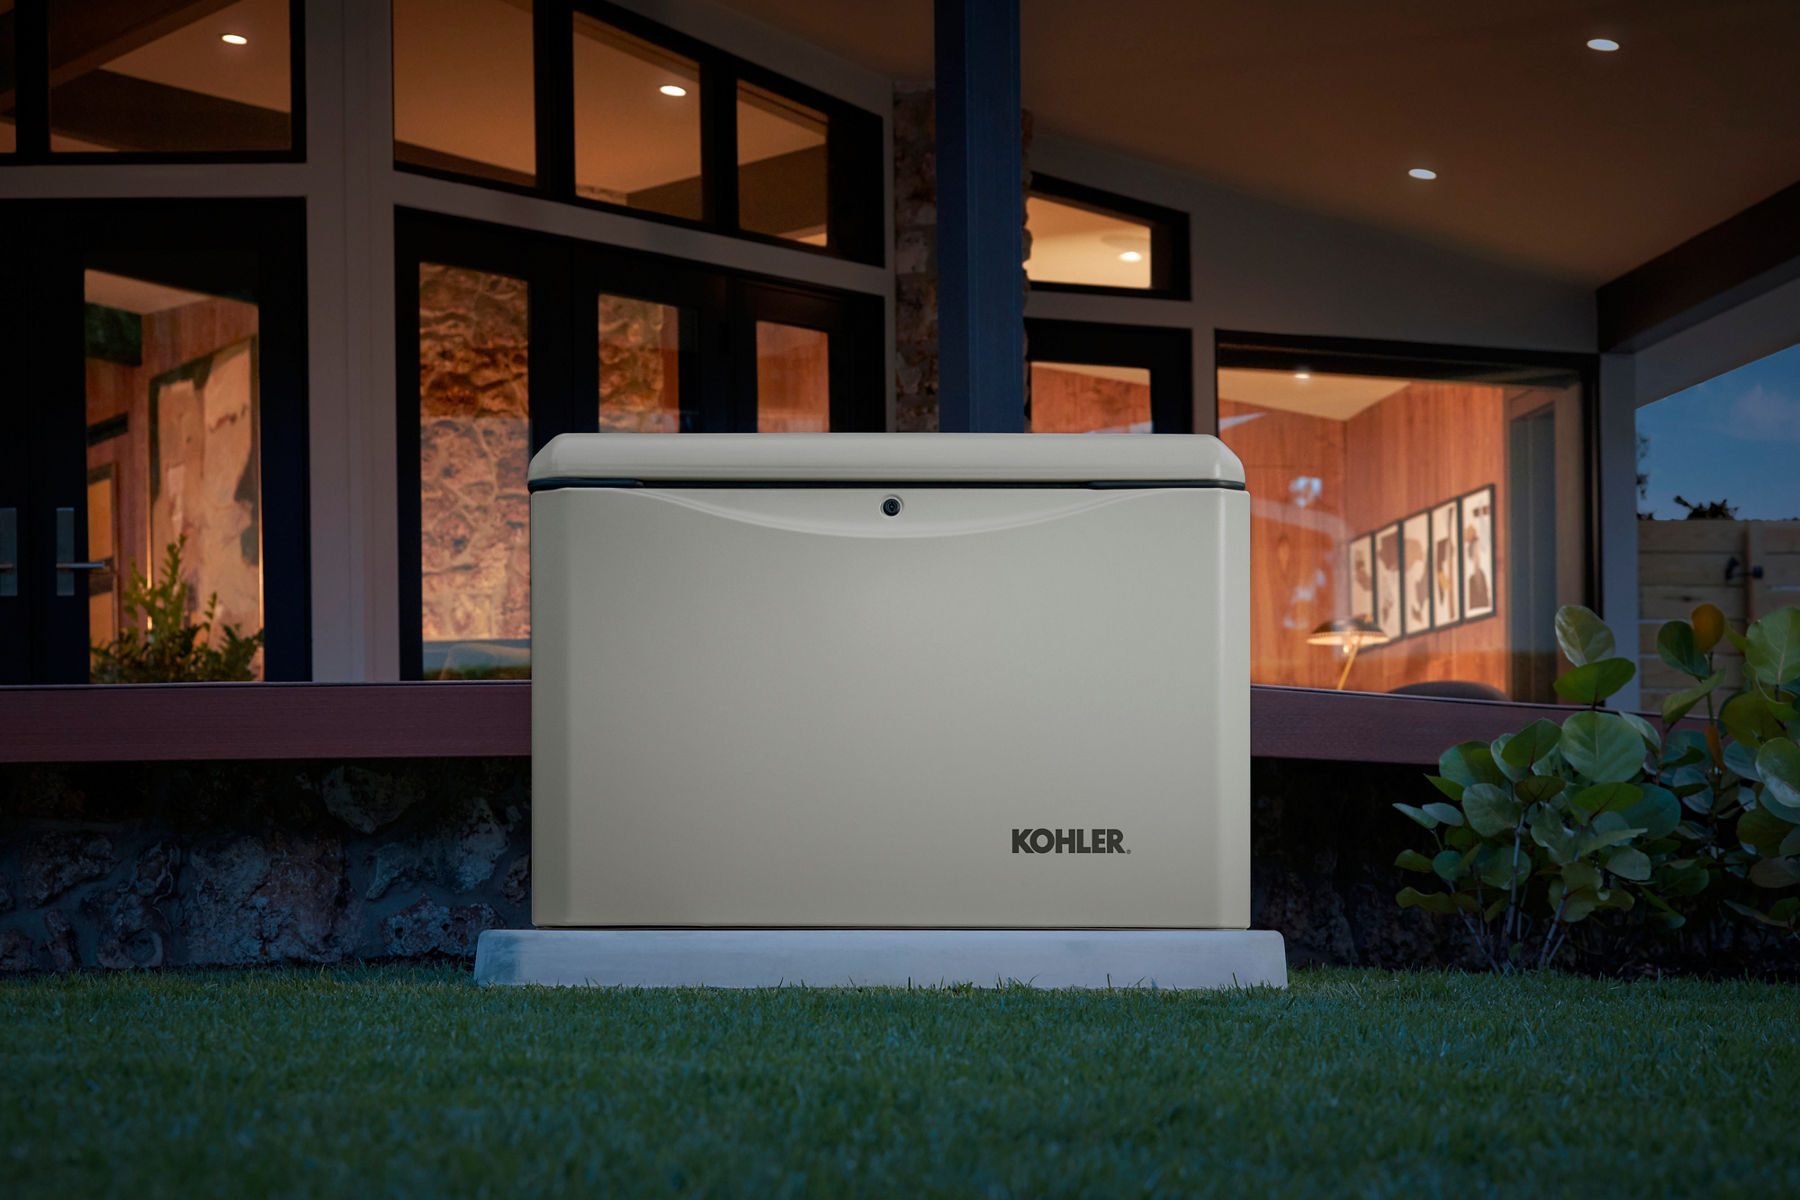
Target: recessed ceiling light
(1131,256)
(1422,173)
(1303,376)
(234,39)
(670,89)
(1602,44)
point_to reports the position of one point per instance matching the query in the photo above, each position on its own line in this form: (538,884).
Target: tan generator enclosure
(890,680)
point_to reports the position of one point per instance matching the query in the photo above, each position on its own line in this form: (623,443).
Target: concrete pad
(739,958)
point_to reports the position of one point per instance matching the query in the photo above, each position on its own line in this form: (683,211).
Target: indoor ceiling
(1333,397)
(1568,161)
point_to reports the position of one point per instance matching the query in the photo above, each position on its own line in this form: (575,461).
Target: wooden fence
(1747,568)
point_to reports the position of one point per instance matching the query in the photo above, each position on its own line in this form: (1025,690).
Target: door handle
(65,554)
(9,551)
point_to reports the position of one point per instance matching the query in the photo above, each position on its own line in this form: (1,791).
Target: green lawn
(411,1082)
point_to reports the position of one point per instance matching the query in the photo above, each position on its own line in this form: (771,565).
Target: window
(637,122)
(782,171)
(1087,377)
(1718,507)
(165,344)
(1083,239)
(165,80)
(507,339)
(589,103)
(464,98)
(1435,500)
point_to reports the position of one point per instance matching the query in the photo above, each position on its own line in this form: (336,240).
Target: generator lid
(577,459)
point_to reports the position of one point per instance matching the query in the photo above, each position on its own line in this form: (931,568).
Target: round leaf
(1647,731)
(1778,762)
(1531,744)
(1583,636)
(1709,627)
(1657,814)
(1419,815)
(1630,864)
(1412,860)
(1448,864)
(1676,706)
(1540,789)
(1775,873)
(1489,810)
(1445,813)
(1602,747)
(1762,831)
(1470,762)
(1774,653)
(1676,643)
(1606,797)
(1596,681)
(1752,718)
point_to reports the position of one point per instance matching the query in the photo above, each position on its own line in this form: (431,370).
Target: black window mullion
(553,53)
(718,144)
(550,321)
(31,78)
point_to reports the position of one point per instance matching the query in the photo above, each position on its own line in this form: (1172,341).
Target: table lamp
(1349,634)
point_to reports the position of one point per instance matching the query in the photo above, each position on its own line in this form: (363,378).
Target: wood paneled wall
(1427,443)
(1075,402)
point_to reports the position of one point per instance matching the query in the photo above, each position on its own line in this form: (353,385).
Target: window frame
(1447,362)
(1167,351)
(855,210)
(31,75)
(1170,265)
(563,274)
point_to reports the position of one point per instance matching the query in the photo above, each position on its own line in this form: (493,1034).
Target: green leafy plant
(170,648)
(1602,816)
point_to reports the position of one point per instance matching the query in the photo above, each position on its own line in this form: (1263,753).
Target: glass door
(153,512)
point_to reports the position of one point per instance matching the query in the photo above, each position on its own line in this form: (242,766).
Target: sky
(1734,438)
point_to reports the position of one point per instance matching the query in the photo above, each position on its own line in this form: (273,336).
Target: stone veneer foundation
(189,864)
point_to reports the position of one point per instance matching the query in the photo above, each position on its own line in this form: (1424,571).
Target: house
(305,282)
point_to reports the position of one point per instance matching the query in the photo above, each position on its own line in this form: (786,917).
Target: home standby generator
(890,680)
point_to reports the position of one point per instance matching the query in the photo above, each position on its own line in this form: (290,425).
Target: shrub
(170,648)
(1604,819)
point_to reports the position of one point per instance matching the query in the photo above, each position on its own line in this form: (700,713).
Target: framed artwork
(1478,553)
(1387,580)
(1415,560)
(1360,556)
(1446,564)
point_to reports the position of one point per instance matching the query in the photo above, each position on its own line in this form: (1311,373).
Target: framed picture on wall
(1446,564)
(1387,579)
(1415,558)
(1478,581)
(1360,567)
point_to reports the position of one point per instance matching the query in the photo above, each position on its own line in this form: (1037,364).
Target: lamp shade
(1348,631)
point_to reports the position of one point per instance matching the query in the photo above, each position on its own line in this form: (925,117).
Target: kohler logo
(1068,841)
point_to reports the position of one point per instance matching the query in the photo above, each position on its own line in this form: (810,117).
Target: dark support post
(981,246)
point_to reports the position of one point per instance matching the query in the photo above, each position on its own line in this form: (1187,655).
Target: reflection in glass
(637,122)
(474,446)
(120,82)
(464,93)
(1071,243)
(1446,513)
(1086,398)
(173,461)
(793,379)
(782,179)
(1715,470)
(640,367)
